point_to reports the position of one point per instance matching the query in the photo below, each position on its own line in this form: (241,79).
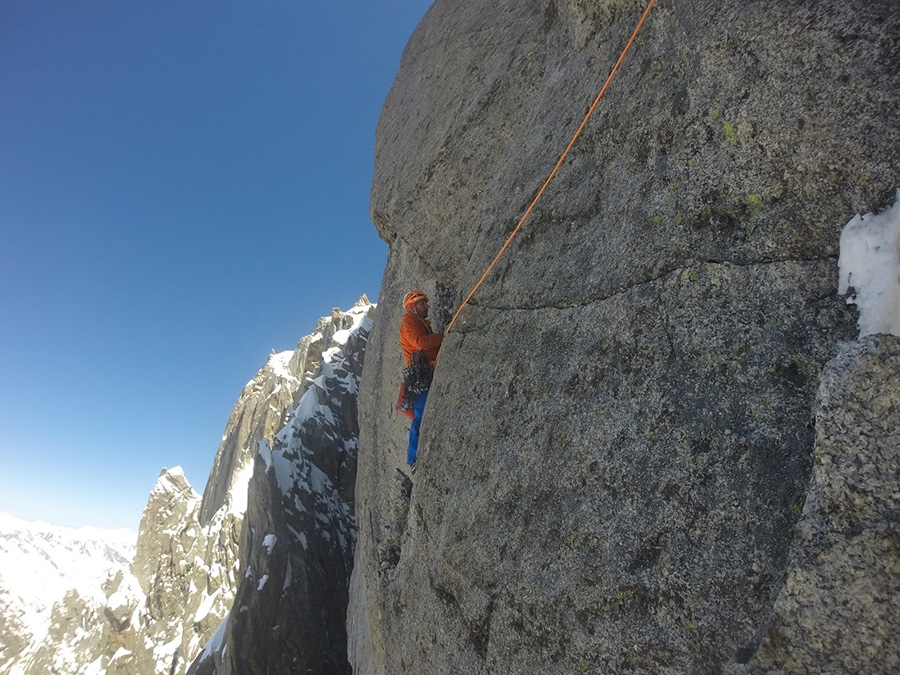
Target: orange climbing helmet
(412,298)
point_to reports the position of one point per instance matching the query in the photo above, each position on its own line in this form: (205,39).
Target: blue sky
(184,187)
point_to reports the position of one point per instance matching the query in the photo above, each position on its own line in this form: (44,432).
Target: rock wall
(620,437)
(845,566)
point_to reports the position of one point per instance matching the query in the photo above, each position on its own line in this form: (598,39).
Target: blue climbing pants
(418,409)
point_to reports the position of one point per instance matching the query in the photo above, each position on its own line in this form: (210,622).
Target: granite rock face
(620,437)
(168,568)
(840,604)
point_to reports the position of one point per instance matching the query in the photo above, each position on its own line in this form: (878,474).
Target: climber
(420,349)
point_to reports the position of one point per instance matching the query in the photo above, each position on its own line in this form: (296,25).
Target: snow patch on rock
(870,266)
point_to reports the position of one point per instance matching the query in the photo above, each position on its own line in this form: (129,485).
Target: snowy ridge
(316,419)
(277,365)
(310,470)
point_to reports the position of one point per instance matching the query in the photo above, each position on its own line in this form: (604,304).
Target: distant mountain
(288,453)
(39,565)
(299,535)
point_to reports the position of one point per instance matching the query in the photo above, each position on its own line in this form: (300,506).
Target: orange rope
(558,164)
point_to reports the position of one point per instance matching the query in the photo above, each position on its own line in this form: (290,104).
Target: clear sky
(184,187)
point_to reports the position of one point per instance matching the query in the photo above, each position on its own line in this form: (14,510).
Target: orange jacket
(416,335)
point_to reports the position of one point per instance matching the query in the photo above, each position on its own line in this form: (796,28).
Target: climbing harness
(558,164)
(417,377)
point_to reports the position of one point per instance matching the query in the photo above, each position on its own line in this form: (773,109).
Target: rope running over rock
(558,164)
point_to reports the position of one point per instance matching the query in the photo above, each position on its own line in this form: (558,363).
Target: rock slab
(620,437)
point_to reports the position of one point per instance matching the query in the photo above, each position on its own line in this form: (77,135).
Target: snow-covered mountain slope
(190,559)
(289,613)
(39,564)
(165,596)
